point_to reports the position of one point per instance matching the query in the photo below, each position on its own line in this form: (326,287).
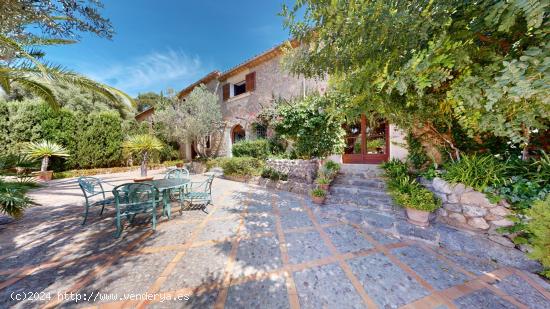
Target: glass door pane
(353,138)
(376,137)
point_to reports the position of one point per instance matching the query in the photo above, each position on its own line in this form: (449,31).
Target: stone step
(353,191)
(370,175)
(360,199)
(359,182)
(383,206)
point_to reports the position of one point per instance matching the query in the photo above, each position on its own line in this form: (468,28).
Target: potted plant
(323,183)
(44,150)
(143,145)
(419,203)
(318,196)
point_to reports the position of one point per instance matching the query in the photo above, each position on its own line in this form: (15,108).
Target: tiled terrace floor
(254,248)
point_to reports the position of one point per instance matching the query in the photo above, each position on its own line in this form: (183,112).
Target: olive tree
(196,120)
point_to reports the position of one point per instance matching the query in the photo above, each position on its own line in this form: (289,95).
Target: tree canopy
(426,65)
(193,120)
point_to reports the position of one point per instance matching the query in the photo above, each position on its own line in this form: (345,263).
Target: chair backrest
(90,185)
(133,193)
(208,184)
(179,173)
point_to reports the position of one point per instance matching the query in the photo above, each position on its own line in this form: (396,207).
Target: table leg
(166,198)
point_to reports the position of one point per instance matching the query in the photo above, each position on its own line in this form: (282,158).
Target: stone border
(465,208)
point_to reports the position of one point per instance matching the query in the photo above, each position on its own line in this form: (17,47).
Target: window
(239,88)
(261,131)
(230,90)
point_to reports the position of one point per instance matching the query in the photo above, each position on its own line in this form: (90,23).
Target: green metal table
(164,186)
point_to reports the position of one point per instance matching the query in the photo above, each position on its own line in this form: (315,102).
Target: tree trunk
(44,166)
(144,165)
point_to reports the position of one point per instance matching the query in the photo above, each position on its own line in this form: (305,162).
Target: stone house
(246,89)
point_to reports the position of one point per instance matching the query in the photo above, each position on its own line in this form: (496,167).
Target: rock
(492,217)
(500,211)
(476,198)
(458,189)
(473,211)
(457,217)
(503,222)
(442,212)
(442,196)
(452,207)
(441,185)
(453,198)
(504,203)
(478,223)
(502,241)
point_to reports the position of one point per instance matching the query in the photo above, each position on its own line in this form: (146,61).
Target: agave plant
(143,145)
(44,150)
(13,200)
(22,66)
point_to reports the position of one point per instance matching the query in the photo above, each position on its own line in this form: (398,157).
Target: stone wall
(301,171)
(464,207)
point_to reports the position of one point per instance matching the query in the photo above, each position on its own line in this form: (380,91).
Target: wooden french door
(367,142)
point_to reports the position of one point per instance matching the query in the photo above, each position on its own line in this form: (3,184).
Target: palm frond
(45,149)
(4,40)
(114,95)
(40,90)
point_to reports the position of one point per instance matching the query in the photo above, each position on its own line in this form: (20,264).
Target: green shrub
(99,142)
(405,190)
(273,174)
(315,132)
(395,169)
(476,171)
(241,166)
(430,172)
(318,192)
(322,181)
(416,154)
(539,227)
(255,149)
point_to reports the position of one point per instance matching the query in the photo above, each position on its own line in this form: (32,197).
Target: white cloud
(152,72)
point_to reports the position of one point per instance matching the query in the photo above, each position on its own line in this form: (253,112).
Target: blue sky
(162,44)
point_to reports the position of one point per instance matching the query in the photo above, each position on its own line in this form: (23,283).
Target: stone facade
(464,207)
(303,171)
(272,83)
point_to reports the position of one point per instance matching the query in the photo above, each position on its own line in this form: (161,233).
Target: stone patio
(254,248)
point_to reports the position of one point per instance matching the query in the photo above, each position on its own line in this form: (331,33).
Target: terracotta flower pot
(179,165)
(318,199)
(418,217)
(324,186)
(143,179)
(45,176)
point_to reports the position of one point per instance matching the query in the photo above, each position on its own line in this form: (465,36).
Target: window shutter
(225,90)
(250,81)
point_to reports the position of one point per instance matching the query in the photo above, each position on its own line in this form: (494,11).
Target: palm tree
(22,66)
(143,145)
(44,150)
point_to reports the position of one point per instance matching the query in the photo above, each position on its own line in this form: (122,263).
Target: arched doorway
(237,134)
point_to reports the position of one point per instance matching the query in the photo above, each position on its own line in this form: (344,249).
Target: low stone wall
(464,207)
(298,171)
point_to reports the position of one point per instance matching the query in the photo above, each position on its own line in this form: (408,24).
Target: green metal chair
(199,193)
(91,187)
(177,173)
(180,173)
(132,199)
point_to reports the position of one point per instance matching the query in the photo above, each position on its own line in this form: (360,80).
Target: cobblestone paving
(254,248)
